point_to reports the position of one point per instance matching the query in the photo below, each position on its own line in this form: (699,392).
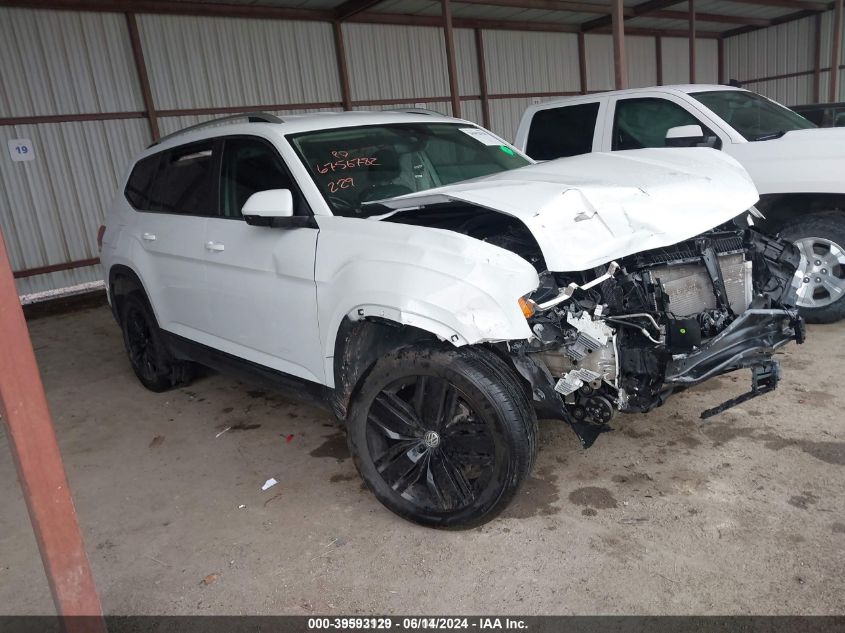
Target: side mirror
(274,208)
(273,203)
(691,136)
(684,136)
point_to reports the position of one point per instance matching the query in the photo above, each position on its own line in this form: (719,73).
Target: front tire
(151,360)
(821,239)
(443,437)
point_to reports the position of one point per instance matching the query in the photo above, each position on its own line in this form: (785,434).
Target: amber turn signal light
(527,307)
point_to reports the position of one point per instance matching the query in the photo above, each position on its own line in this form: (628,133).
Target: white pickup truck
(797,168)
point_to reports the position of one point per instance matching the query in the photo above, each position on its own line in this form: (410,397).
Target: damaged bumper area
(625,336)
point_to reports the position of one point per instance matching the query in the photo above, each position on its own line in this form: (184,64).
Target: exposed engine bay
(624,336)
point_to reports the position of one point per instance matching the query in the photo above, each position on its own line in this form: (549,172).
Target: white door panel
(173,270)
(263,299)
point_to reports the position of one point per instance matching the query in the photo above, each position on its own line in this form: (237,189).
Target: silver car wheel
(823,278)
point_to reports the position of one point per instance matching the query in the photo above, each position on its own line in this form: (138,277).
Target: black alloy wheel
(429,444)
(443,437)
(149,356)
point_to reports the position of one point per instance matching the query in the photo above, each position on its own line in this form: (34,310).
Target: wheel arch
(359,345)
(781,208)
(122,282)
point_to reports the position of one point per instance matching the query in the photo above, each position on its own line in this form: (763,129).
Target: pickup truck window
(640,123)
(355,165)
(560,132)
(753,116)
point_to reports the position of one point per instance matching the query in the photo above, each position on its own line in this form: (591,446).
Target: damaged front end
(625,336)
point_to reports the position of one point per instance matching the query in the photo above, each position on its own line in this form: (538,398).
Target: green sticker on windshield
(507,150)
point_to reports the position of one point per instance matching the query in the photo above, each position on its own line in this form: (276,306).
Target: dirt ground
(744,514)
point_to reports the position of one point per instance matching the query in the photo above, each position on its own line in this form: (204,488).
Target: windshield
(753,116)
(355,165)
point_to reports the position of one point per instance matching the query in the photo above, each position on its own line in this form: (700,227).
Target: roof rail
(415,111)
(252,117)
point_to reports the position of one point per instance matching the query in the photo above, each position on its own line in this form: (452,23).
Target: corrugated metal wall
(599,50)
(787,49)
(56,62)
(50,207)
(466,62)
(779,50)
(676,61)
(200,62)
(411,62)
(519,62)
(706,61)
(522,62)
(642,61)
(505,114)
(71,63)
(60,62)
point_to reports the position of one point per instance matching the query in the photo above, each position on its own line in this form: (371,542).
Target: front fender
(458,288)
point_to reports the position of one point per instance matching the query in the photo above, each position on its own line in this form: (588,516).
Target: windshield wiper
(770,136)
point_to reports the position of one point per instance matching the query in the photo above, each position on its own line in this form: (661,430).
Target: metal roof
(714,17)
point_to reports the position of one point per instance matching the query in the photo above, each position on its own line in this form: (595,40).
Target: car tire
(443,437)
(151,360)
(821,239)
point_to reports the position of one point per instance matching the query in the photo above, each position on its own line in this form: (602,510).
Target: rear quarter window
(560,132)
(140,182)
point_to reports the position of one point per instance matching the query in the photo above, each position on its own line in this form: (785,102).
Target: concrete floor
(744,514)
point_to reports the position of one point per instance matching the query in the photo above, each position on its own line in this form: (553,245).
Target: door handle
(214,246)
(149,237)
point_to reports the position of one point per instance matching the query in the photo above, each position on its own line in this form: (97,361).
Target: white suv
(437,290)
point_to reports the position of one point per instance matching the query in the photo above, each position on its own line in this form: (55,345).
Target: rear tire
(821,239)
(151,360)
(444,437)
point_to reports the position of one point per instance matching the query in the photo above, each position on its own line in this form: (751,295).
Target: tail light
(100,233)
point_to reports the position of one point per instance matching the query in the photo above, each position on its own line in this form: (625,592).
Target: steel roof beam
(637,11)
(548,5)
(790,17)
(581,7)
(176,8)
(463,23)
(369,17)
(787,4)
(349,8)
(711,17)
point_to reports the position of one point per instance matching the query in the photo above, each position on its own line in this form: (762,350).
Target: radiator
(691,291)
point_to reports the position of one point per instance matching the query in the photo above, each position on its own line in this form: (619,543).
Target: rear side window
(559,132)
(185,182)
(140,181)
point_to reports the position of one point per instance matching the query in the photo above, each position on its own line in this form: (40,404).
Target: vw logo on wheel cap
(431,439)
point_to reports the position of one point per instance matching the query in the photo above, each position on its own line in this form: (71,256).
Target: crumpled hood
(588,210)
(809,161)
